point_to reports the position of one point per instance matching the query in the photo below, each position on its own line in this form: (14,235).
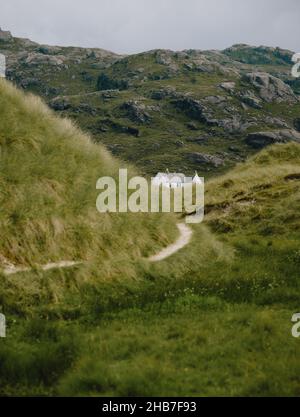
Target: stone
(136,111)
(228,86)
(260,140)
(274,121)
(297,124)
(29,82)
(271,89)
(235,124)
(164,57)
(251,100)
(60,105)
(199,140)
(214,100)
(133,131)
(192,126)
(202,158)
(34,59)
(48,50)
(193,108)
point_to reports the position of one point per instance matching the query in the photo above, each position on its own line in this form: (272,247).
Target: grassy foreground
(215,319)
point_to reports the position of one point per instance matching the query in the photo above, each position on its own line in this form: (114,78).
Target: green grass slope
(48,175)
(215,319)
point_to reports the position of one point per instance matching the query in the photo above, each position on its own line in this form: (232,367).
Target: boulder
(29,82)
(271,89)
(297,124)
(251,100)
(163,93)
(136,111)
(228,86)
(33,59)
(164,57)
(191,107)
(192,126)
(48,50)
(276,122)
(60,105)
(202,158)
(259,140)
(215,100)
(199,140)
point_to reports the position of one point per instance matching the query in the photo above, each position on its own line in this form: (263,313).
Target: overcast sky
(128,26)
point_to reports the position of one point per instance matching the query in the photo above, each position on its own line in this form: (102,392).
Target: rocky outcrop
(5,36)
(29,82)
(166,57)
(235,124)
(271,89)
(251,100)
(33,59)
(259,140)
(136,111)
(60,105)
(228,86)
(259,55)
(49,50)
(194,109)
(191,107)
(297,124)
(202,158)
(275,122)
(215,100)
(192,126)
(163,93)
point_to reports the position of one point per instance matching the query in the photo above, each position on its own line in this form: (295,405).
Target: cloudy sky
(128,26)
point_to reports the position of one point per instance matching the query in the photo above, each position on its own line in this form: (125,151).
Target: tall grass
(214,319)
(48,175)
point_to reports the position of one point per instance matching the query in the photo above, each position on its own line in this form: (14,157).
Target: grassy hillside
(48,177)
(134,105)
(215,319)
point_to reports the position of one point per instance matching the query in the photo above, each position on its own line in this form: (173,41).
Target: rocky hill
(187,110)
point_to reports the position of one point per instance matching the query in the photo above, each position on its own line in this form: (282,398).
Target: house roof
(170,176)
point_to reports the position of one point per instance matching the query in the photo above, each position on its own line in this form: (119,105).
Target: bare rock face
(271,89)
(259,140)
(5,36)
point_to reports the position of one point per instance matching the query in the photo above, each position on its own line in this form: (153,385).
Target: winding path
(183,240)
(12,269)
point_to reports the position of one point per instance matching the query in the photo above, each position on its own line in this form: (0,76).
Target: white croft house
(174,180)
